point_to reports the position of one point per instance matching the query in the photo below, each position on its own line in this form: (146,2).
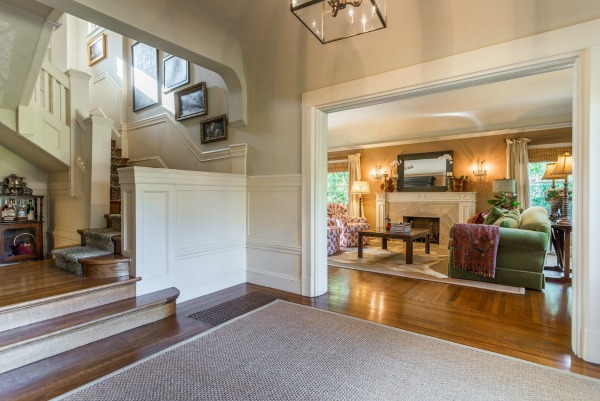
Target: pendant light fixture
(331,20)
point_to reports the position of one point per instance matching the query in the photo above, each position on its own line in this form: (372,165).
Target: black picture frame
(144,70)
(213,129)
(191,102)
(176,72)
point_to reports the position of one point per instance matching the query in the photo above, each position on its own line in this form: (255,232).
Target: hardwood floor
(534,327)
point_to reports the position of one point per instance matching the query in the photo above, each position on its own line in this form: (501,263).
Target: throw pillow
(494,215)
(511,219)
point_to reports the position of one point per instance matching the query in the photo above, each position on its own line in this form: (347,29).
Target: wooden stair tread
(104,259)
(26,284)
(74,321)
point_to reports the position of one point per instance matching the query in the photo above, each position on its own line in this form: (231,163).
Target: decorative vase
(555,206)
(458,184)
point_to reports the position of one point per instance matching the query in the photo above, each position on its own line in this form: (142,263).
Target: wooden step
(115,206)
(28,344)
(37,291)
(114,265)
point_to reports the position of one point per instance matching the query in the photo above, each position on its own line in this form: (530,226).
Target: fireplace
(447,207)
(430,223)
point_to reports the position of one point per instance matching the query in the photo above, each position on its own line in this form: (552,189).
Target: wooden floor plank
(535,327)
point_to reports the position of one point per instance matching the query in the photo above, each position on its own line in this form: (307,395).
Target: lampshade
(360,187)
(505,185)
(331,20)
(564,165)
(549,173)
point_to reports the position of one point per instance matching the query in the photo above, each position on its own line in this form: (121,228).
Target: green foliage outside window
(337,187)
(540,191)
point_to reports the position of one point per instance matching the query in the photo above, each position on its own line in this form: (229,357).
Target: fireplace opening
(430,223)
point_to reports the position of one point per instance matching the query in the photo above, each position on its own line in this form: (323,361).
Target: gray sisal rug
(285,351)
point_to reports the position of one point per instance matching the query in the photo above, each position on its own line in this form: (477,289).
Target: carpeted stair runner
(68,258)
(98,242)
(116,162)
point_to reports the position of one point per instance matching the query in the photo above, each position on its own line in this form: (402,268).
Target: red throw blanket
(475,247)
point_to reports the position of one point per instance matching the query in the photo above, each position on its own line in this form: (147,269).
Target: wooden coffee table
(385,235)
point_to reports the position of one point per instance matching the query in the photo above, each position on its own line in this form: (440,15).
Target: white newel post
(97,160)
(79,95)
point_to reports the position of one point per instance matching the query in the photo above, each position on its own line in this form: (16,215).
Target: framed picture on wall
(176,72)
(145,85)
(96,49)
(213,129)
(191,102)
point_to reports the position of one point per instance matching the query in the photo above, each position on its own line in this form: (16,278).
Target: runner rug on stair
(98,242)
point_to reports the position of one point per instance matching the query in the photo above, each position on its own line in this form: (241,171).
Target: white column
(380,210)
(79,97)
(586,234)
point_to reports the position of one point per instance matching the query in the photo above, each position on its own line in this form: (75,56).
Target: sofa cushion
(535,219)
(494,215)
(511,219)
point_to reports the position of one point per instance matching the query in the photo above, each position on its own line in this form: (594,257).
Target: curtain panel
(517,160)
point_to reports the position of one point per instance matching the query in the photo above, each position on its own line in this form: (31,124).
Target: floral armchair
(350,226)
(333,236)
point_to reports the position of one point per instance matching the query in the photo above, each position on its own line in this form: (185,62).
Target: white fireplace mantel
(450,207)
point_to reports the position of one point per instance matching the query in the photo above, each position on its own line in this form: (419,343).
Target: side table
(561,241)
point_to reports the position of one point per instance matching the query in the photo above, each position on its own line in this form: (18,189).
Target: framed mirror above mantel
(424,172)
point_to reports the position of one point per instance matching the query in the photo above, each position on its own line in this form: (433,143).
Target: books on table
(400,228)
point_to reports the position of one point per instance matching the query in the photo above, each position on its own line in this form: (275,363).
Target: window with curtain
(538,189)
(337,182)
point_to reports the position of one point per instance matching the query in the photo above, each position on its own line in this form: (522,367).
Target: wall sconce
(479,172)
(377,174)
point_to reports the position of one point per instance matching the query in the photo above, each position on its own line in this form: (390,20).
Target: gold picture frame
(96,49)
(213,129)
(191,102)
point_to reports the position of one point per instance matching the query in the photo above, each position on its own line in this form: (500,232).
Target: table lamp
(360,188)
(548,174)
(564,168)
(505,185)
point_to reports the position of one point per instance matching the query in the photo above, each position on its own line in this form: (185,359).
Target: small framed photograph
(96,49)
(176,72)
(213,129)
(191,102)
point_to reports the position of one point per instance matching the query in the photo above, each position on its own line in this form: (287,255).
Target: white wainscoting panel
(274,255)
(184,229)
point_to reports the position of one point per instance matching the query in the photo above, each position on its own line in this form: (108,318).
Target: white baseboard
(592,346)
(274,280)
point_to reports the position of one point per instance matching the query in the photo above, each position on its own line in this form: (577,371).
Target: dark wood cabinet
(23,240)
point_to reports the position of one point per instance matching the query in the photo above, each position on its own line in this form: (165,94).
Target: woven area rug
(286,351)
(231,309)
(431,267)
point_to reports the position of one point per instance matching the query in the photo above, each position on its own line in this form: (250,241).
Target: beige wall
(492,149)
(281,59)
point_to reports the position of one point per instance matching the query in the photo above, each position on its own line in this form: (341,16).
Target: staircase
(99,255)
(45,311)
(116,162)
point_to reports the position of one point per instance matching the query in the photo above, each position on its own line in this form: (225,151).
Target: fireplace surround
(448,207)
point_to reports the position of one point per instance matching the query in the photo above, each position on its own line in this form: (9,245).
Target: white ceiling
(539,100)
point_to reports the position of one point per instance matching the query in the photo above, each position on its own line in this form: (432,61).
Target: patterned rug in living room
(431,267)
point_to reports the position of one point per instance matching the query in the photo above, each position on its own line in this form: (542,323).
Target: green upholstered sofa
(521,253)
